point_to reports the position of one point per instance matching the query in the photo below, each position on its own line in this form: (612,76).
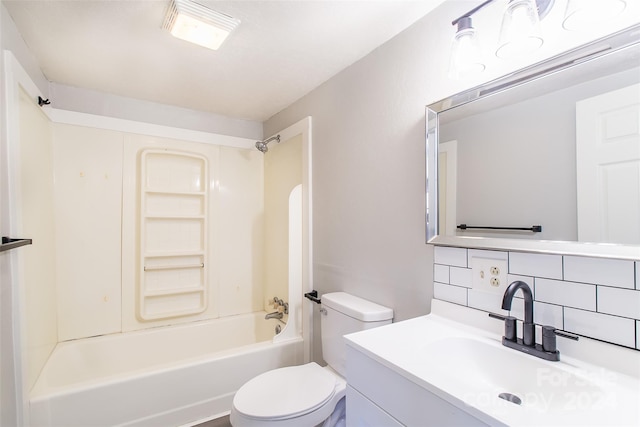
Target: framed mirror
(546,159)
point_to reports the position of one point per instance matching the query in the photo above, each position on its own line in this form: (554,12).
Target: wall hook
(42,102)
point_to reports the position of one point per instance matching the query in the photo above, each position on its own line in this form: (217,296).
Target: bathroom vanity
(379,395)
(433,370)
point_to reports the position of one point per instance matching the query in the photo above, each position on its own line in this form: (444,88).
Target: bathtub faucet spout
(275,315)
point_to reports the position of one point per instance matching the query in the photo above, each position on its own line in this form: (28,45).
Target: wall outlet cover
(489,275)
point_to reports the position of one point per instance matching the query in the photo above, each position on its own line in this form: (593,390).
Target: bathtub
(166,376)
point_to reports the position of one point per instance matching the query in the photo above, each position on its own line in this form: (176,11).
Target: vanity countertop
(594,383)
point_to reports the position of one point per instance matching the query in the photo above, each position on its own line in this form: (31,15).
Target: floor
(219,422)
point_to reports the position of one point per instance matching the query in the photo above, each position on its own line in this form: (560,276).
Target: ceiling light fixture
(195,23)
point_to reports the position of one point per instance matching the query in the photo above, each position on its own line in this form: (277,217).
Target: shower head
(262,145)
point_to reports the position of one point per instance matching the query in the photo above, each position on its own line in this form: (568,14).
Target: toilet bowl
(309,395)
(295,396)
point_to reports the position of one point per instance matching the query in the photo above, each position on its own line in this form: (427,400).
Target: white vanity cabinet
(378,396)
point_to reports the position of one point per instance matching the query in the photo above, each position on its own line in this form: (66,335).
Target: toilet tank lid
(356,307)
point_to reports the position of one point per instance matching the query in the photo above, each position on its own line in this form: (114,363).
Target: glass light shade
(583,14)
(466,59)
(520,31)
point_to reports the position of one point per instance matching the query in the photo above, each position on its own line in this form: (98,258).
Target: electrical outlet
(489,275)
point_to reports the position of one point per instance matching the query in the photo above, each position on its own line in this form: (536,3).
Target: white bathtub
(165,376)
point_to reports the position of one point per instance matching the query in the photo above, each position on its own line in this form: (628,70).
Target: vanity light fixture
(583,14)
(465,49)
(520,31)
(195,23)
(465,52)
(519,34)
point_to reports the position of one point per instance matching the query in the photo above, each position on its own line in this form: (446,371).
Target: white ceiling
(280,52)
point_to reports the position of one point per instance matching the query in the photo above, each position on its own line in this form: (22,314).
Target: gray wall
(368,163)
(368,173)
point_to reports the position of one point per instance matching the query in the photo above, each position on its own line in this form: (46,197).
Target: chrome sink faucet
(528,327)
(547,350)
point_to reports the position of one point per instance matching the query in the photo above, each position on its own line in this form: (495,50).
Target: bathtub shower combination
(184,343)
(162,376)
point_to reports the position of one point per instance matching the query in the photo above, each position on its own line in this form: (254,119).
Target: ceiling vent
(195,23)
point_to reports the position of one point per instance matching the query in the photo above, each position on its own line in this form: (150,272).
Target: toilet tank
(343,314)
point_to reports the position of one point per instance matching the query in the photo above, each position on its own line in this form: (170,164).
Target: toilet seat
(286,393)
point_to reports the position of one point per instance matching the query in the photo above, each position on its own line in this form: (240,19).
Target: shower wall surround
(593,297)
(97,196)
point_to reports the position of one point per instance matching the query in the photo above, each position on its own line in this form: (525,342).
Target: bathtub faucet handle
(274,315)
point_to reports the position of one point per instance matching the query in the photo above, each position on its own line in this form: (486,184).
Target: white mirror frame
(626,39)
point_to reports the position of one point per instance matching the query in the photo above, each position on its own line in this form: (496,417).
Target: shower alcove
(167,245)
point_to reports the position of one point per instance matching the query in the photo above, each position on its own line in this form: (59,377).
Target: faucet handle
(564,334)
(509,325)
(549,337)
(497,316)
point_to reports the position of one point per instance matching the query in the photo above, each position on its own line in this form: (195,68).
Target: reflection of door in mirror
(447,178)
(608,166)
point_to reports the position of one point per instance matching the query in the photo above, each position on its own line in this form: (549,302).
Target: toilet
(310,395)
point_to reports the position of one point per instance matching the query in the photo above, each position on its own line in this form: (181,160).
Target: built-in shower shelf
(173,267)
(167,292)
(168,315)
(173,234)
(176,193)
(154,255)
(156,216)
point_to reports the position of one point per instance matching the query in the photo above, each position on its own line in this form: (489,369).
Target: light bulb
(520,31)
(583,14)
(466,60)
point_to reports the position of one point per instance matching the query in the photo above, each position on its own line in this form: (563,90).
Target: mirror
(545,160)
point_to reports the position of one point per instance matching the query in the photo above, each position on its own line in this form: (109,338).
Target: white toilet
(310,395)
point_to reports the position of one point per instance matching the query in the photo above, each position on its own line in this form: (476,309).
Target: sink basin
(485,370)
(471,369)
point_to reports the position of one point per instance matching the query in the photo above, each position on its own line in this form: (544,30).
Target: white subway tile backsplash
(621,302)
(486,301)
(543,313)
(600,271)
(441,273)
(617,330)
(538,265)
(593,297)
(450,256)
(515,277)
(478,253)
(570,294)
(450,293)
(461,277)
